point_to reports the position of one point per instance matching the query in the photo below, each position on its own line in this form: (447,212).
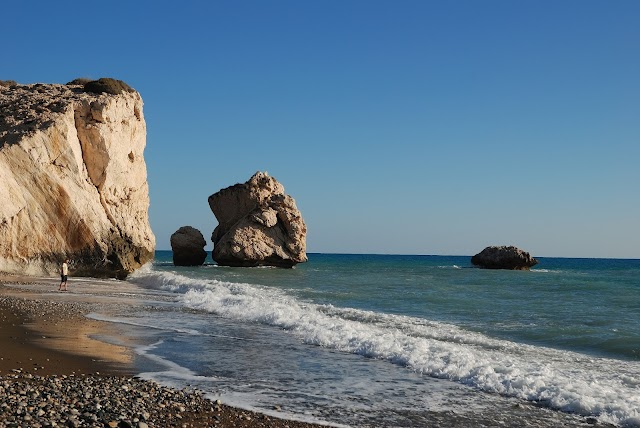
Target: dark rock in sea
(504,257)
(187,244)
(258,225)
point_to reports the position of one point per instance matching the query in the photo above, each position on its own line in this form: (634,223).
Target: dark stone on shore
(503,257)
(187,244)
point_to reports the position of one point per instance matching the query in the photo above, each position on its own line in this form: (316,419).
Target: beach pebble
(74,401)
(34,400)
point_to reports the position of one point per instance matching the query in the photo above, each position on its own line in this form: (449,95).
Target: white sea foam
(175,375)
(173,370)
(572,382)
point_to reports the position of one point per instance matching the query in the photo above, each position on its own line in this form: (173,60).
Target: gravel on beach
(111,401)
(44,387)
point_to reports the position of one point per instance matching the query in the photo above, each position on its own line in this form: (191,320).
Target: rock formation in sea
(187,244)
(258,225)
(73,179)
(504,257)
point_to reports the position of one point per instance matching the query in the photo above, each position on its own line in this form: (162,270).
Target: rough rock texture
(258,225)
(73,181)
(187,244)
(504,257)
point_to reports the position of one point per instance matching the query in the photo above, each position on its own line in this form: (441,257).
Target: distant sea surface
(389,340)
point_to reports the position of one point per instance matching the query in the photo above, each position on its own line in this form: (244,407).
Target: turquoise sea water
(585,305)
(386,340)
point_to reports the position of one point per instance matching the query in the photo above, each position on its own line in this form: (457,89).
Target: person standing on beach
(64,272)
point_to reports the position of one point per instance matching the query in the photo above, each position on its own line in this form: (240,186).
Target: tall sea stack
(73,180)
(258,225)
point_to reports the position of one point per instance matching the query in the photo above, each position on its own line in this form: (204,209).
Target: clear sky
(413,127)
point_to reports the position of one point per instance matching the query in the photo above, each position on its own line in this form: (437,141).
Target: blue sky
(413,127)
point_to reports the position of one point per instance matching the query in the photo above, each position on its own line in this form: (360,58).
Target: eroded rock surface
(259,225)
(504,257)
(73,181)
(187,244)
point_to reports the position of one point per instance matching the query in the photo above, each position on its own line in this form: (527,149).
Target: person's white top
(65,269)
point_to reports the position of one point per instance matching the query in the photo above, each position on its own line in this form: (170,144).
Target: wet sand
(45,338)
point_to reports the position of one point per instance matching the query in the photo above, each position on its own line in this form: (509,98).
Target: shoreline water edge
(54,372)
(235,348)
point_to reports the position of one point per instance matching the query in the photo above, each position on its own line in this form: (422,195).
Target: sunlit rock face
(258,225)
(73,181)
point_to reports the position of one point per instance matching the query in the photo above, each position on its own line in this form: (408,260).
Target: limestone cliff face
(258,225)
(73,181)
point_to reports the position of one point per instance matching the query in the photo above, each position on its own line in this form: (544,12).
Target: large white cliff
(73,181)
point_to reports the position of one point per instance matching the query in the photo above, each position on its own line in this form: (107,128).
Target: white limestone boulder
(258,225)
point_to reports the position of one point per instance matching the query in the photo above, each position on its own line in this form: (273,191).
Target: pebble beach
(64,361)
(89,384)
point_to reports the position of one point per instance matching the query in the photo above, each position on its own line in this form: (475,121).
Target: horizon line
(450,255)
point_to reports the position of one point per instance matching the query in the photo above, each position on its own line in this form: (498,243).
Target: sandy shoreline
(53,373)
(45,338)
(57,369)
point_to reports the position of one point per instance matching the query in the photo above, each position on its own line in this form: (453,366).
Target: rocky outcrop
(74,181)
(504,257)
(258,225)
(187,244)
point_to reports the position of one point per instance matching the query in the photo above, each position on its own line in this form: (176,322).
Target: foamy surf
(567,381)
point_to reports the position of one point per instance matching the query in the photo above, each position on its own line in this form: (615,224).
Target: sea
(392,340)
